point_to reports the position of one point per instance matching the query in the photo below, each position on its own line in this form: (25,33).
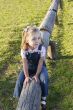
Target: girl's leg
(19,84)
(44,82)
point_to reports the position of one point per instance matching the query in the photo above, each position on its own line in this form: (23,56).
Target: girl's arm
(25,67)
(39,66)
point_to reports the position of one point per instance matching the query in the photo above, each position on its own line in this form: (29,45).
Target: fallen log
(30,96)
(47,25)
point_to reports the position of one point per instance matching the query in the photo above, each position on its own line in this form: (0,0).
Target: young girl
(33,55)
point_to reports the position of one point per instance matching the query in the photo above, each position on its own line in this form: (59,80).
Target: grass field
(14,16)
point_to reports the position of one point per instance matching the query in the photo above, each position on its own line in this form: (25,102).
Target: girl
(33,55)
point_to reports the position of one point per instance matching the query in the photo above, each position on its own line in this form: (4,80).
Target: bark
(30,97)
(51,52)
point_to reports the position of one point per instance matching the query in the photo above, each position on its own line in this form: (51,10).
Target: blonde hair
(25,34)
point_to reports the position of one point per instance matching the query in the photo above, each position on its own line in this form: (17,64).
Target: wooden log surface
(51,52)
(30,97)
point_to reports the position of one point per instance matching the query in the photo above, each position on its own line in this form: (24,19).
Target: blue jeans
(44,81)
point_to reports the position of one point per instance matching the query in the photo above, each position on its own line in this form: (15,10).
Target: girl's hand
(26,80)
(36,78)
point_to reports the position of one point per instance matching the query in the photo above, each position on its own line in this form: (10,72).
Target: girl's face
(34,40)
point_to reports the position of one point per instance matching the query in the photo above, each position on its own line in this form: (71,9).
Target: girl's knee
(43,78)
(21,76)
(20,79)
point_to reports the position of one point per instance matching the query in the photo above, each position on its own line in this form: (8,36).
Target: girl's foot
(43,103)
(43,107)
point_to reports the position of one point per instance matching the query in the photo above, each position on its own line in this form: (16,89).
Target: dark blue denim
(44,82)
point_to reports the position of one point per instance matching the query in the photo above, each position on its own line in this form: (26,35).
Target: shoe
(43,107)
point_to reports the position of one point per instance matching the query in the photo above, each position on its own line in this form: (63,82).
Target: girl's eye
(39,38)
(34,38)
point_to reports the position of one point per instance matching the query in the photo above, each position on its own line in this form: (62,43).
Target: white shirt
(42,52)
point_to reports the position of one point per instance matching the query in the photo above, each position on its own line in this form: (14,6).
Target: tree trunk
(30,97)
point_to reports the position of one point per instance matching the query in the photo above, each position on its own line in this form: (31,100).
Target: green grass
(16,14)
